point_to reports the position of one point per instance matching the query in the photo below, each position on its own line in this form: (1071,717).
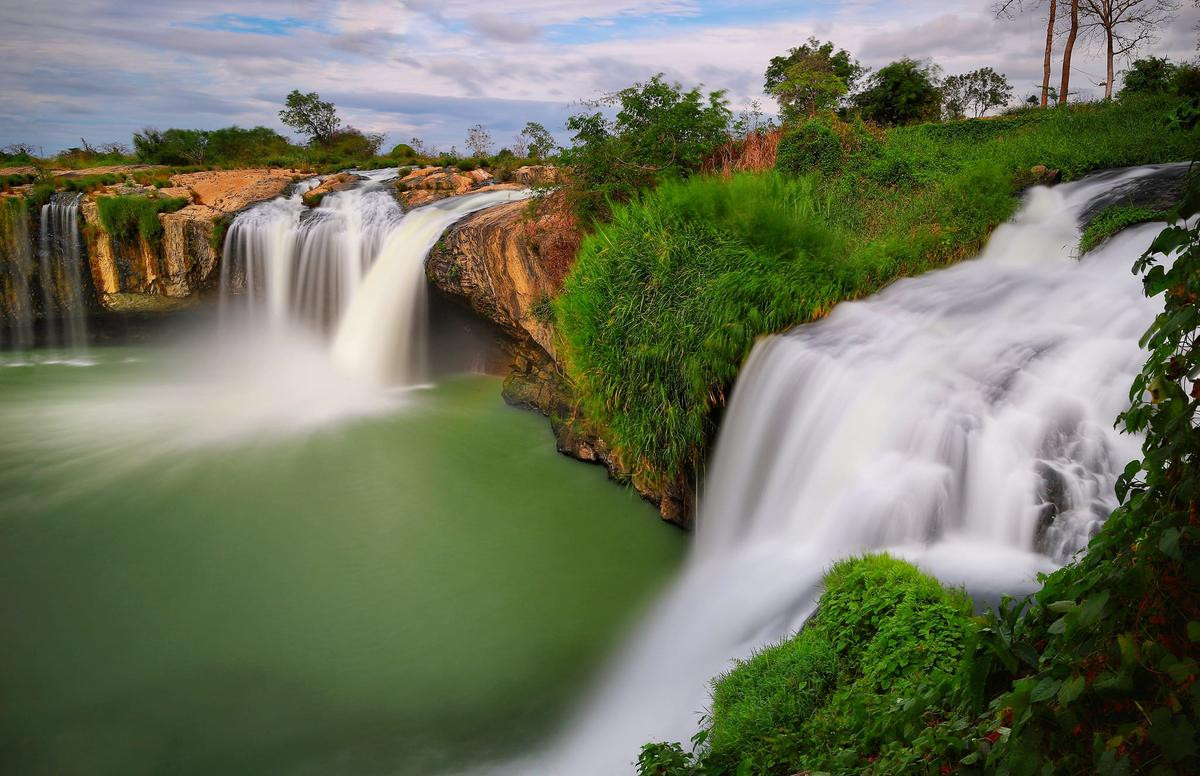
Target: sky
(102,69)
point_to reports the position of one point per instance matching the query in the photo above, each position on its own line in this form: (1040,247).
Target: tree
(1151,75)
(1124,26)
(904,92)
(1068,50)
(479,140)
(1004,9)
(809,85)
(538,140)
(422,148)
(308,115)
(659,131)
(191,144)
(977,91)
(840,63)
(520,146)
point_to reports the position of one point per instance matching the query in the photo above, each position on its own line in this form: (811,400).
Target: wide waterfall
(353,266)
(962,419)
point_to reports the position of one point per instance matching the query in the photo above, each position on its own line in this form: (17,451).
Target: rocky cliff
(507,263)
(137,275)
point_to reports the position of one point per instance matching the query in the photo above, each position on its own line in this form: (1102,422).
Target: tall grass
(126,218)
(667,299)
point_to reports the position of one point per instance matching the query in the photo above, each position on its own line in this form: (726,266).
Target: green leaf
(1071,689)
(1193,630)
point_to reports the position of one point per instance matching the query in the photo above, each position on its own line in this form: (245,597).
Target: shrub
(659,132)
(811,146)
(38,196)
(127,217)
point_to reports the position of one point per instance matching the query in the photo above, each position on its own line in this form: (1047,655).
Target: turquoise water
(425,587)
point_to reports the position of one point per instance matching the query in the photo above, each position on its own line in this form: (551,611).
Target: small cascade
(16,268)
(352,267)
(382,337)
(962,419)
(60,275)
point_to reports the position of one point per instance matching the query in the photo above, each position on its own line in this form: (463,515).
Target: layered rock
(139,276)
(508,263)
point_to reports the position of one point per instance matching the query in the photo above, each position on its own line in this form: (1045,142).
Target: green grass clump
(802,705)
(667,298)
(127,217)
(1113,219)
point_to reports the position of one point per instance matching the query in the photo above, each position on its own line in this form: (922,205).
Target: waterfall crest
(962,419)
(351,268)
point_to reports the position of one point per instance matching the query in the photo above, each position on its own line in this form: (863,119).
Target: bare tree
(479,140)
(1124,26)
(520,145)
(1004,9)
(1068,49)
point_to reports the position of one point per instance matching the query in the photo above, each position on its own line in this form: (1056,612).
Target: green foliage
(810,79)
(817,55)
(310,116)
(805,704)
(127,217)
(230,146)
(810,146)
(543,310)
(977,91)
(1113,219)
(666,300)
(539,143)
(901,93)
(216,239)
(38,196)
(659,132)
(1152,75)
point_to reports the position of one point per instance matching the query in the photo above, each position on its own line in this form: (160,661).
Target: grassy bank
(668,297)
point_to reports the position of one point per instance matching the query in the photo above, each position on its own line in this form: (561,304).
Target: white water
(354,265)
(963,419)
(381,336)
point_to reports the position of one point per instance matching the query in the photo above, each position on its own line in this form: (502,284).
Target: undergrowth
(1113,219)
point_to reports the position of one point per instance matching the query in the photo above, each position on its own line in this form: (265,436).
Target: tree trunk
(1108,87)
(1049,48)
(1066,65)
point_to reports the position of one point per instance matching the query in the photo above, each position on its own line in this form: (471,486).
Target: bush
(811,146)
(806,704)
(127,217)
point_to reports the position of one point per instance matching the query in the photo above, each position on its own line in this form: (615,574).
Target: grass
(1113,219)
(125,218)
(667,299)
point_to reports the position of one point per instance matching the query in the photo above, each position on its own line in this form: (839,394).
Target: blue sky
(101,69)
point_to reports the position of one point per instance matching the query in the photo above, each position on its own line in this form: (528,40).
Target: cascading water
(962,419)
(60,257)
(354,265)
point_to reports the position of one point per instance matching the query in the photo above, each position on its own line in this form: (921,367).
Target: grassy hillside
(668,297)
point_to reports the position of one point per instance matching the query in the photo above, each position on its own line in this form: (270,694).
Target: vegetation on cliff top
(668,297)
(127,217)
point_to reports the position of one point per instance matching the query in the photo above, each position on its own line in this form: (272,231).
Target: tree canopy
(975,92)
(310,116)
(904,92)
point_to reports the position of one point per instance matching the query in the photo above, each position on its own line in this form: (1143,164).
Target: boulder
(538,175)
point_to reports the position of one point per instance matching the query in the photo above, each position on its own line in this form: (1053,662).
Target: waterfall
(380,337)
(962,419)
(352,267)
(60,259)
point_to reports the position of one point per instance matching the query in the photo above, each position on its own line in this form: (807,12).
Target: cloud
(104,68)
